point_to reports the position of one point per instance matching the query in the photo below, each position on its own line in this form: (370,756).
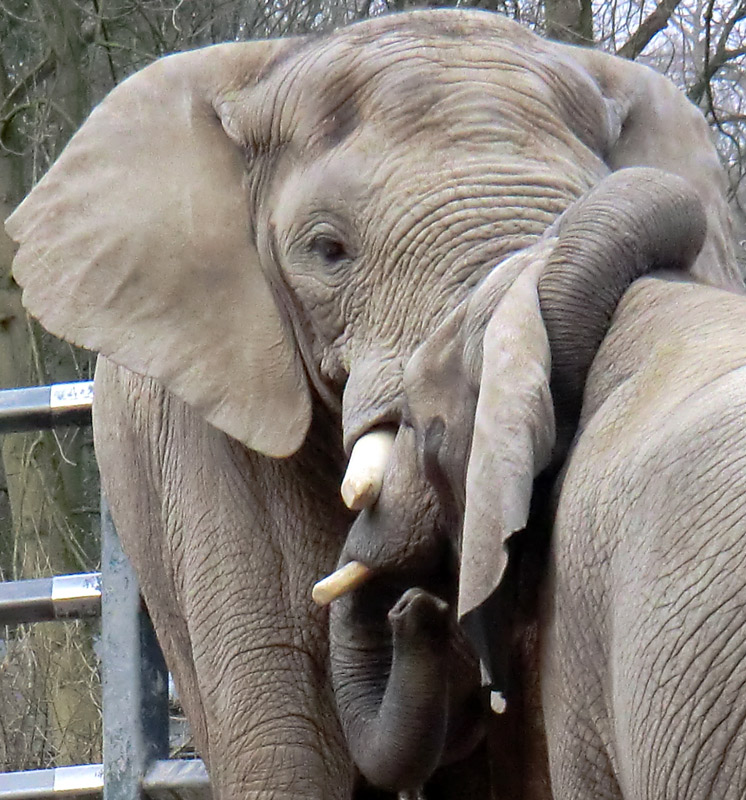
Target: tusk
(497,702)
(344,580)
(364,477)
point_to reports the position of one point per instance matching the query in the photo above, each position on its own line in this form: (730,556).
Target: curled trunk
(392,687)
(634,222)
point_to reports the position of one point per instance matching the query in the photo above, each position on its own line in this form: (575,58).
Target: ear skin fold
(136,244)
(514,433)
(651,123)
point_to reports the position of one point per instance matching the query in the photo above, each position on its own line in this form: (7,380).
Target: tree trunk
(42,483)
(569,21)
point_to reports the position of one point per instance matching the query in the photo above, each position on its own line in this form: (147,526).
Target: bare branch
(714,61)
(653,24)
(36,74)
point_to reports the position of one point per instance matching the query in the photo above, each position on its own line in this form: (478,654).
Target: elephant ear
(651,123)
(137,244)
(514,434)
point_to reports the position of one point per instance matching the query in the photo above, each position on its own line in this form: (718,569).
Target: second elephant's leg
(574,651)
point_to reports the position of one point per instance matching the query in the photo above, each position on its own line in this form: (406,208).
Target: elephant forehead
(441,77)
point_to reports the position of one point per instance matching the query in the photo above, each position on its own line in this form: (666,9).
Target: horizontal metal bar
(88,779)
(176,774)
(77,595)
(41,407)
(81,780)
(45,599)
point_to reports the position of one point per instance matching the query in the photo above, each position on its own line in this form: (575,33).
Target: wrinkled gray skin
(643,638)
(257,236)
(483,444)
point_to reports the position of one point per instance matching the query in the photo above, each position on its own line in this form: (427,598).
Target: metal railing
(134,676)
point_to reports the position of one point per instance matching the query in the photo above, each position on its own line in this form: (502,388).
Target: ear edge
(106,316)
(514,434)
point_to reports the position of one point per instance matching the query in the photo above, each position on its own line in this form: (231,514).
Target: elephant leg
(130,479)
(233,544)
(579,754)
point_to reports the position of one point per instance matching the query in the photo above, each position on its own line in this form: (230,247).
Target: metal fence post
(134,676)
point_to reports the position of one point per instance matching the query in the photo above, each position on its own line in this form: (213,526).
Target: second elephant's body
(645,636)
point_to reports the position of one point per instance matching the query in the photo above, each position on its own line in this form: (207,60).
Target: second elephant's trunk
(635,221)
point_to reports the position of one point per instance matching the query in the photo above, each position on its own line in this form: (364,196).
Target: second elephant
(644,643)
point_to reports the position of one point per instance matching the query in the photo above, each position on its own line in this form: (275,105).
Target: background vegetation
(57,59)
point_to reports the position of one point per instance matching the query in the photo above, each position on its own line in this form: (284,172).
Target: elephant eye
(330,249)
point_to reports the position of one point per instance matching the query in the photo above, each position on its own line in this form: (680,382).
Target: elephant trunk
(391,686)
(634,222)
(391,645)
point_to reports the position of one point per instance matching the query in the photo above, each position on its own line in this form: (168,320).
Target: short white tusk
(364,477)
(344,580)
(497,702)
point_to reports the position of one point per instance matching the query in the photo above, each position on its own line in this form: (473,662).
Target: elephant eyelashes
(330,249)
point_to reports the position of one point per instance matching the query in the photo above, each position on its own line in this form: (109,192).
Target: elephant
(636,635)
(642,634)
(256,237)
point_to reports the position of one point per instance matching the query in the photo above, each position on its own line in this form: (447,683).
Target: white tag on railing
(71,395)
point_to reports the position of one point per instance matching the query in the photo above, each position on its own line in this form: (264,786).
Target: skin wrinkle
(687,603)
(394,236)
(581,720)
(738,732)
(343,117)
(576,114)
(663,733)
(410,251)
(234,624)
(251,685)
(694,716)
(682,666)
(430,237)
(454,183)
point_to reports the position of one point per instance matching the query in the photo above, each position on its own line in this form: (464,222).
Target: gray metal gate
(133,675)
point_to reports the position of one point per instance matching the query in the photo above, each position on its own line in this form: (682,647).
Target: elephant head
(268,228)
(481,423)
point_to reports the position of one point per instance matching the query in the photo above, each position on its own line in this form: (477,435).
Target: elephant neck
(668,339)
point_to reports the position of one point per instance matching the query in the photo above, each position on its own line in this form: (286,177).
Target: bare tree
(569,20)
